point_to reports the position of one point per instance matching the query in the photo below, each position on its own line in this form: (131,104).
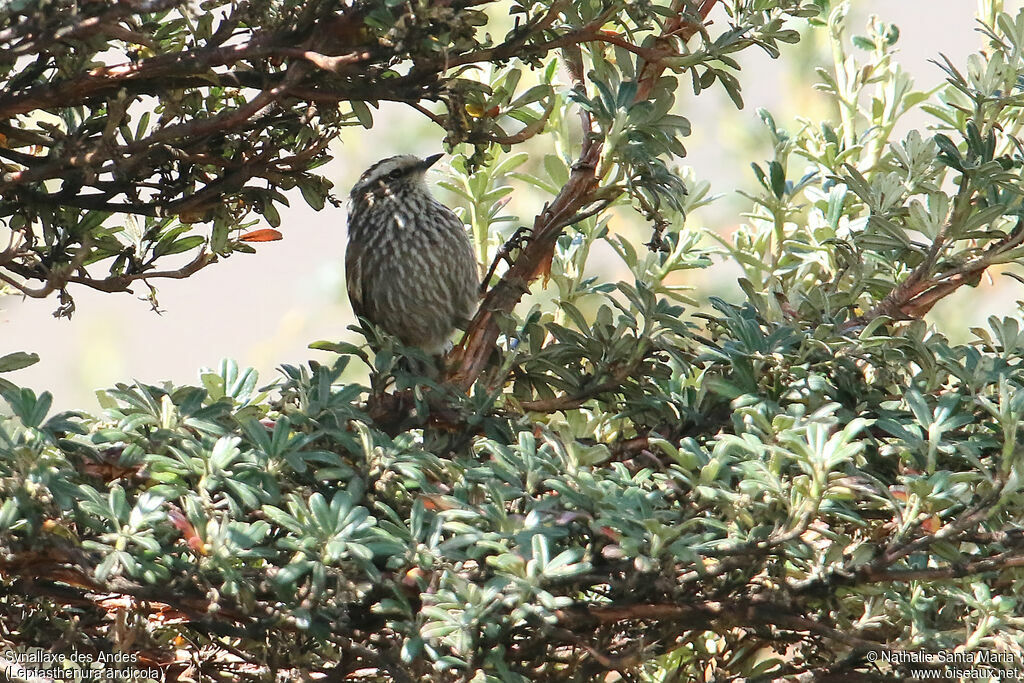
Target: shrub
(810,483)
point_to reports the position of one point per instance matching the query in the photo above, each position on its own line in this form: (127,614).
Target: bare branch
(120,283)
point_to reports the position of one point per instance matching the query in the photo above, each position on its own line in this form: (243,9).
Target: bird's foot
(516,242)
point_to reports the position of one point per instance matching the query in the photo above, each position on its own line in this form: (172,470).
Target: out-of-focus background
(264,309)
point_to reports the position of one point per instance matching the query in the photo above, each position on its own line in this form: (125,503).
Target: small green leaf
(17,361)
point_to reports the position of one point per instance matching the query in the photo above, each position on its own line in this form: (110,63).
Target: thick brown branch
(1011,559)
(77,27)
(923,288)
(470,358)
(575,400)
(198,65)
(513,47)
(999,563)
(971,518)
(705,615)
(191,129)
(569,401)
(381,661)
(109,79)
(677,28)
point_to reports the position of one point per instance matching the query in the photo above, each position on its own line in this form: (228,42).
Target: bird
(410,267)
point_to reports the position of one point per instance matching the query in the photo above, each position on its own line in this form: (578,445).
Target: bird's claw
(515,242)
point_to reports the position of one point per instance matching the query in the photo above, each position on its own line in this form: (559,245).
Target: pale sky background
(264,309)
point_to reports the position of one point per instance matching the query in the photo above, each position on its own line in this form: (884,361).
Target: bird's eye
(397,173)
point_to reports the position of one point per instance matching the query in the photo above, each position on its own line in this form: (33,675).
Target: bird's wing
(463,274)
(354,277)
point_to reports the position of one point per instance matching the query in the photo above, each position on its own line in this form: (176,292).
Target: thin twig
(120,283)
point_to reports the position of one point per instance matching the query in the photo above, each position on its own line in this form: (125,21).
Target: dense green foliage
(809,484)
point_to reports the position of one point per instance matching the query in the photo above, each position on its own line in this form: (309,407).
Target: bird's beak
(431,160)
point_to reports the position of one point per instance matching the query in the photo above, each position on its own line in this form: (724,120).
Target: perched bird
(410,266)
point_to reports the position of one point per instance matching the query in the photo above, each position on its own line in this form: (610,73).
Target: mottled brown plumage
(410,266)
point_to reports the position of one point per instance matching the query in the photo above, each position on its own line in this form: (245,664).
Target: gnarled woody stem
(469,359)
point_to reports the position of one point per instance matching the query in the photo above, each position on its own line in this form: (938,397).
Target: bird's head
(393,176)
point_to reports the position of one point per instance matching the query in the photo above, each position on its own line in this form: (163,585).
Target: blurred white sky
(264,309)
